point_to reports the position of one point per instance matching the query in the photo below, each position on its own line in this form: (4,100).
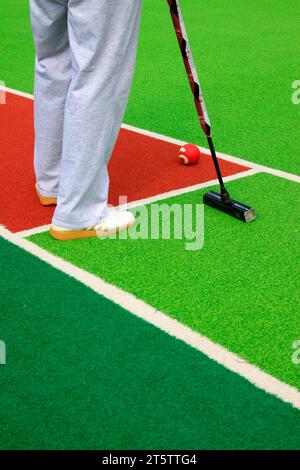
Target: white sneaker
(116,221)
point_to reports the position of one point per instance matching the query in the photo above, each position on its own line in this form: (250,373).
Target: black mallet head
(230,206)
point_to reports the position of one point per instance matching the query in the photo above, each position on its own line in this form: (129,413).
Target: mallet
(221,200)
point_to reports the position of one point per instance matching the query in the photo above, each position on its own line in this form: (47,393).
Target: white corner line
(171,140)
(16,92)
(152,199)
(137,307)
(188,189)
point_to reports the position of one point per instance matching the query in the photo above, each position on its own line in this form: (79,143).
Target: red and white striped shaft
(189,63)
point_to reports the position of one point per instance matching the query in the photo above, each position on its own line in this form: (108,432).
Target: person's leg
(103,38)
(52,80)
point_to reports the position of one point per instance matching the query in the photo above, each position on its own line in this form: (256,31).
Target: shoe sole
(47,201)
(81,234)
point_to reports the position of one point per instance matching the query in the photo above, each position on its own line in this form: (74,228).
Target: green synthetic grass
(241,289)
(247,54)
(82,373)
(16,45)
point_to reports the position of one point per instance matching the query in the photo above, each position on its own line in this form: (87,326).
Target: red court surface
(140,167)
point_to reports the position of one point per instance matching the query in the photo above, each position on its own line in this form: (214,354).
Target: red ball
(189,154)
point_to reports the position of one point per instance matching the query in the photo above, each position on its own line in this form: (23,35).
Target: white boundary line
(224,156)
(34,231)
(189,189)
(229,360)
(16,92)
(157,197)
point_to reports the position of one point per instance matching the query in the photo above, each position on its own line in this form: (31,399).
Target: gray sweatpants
(85,58)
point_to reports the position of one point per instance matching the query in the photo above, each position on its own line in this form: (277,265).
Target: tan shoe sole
(46,201)
(80,234)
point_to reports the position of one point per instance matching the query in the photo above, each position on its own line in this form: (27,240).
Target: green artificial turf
(16,45)
(82,373)
(241,289)
(247,54)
